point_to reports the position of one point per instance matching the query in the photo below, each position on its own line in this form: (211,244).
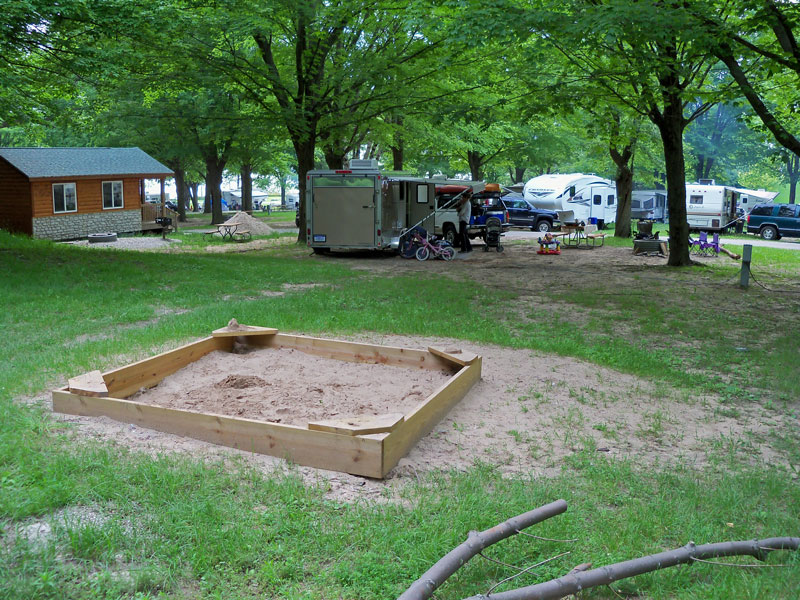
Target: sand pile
(246,221)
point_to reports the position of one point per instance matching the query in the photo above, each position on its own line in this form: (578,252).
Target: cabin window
(64,198)
(112,194)
(696,199)
(786,211)
(635,204)
(597,200)
(610,200)
(422,194)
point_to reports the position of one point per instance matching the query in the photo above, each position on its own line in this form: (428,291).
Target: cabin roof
(49,163)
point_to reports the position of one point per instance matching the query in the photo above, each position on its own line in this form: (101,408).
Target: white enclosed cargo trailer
(362,208)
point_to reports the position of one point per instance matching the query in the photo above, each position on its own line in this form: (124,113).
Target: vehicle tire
(96,238)
(542,226)
(448,253)
(423,253)
(449,234)
(320,250)
(769,232)
(499,248)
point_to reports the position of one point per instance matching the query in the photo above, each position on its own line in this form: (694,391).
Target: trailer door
(420,203)
(343,212)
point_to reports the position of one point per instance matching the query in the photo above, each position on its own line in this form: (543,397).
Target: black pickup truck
(522,213)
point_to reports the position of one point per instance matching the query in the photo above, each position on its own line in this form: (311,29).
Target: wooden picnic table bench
(594,237)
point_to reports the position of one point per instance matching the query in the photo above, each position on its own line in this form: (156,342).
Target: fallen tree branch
(572,583)
(423,588)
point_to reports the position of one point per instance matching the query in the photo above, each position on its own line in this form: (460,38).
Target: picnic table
(230,231)
(580,236)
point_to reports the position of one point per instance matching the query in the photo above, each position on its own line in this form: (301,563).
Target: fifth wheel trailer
(575,196)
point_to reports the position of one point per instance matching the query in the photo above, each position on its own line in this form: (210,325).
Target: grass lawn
(88,519)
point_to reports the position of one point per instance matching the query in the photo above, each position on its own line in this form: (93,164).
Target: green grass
(128,525)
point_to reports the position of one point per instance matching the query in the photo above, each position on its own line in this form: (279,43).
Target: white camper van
(710,207)
(575,196)
(361,208)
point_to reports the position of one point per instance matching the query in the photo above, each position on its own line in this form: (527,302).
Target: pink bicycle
(437,248)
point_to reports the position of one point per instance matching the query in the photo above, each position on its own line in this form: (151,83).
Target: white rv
(649,205)
(749,198)
(710,207)
(575,196)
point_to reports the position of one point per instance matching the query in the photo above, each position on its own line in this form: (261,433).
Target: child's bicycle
(437,248)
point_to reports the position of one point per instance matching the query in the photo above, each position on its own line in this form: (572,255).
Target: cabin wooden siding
(89,195)
(15,200)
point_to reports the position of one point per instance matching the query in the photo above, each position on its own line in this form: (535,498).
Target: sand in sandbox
(291,387)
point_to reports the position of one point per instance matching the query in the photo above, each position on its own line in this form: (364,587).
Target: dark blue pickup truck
(522,213)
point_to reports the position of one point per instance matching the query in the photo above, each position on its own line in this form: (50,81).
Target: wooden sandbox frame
(369,446)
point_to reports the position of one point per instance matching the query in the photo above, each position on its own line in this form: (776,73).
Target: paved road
(786,244)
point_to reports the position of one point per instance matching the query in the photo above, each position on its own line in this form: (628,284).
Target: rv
(649,205)
(575,196)
(361,208)
(749,198)
(710,207)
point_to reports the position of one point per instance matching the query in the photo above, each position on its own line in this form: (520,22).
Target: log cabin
(69,193)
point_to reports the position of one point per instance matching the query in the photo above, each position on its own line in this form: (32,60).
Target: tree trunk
(398,146)
(622,226)
(282,183)
(247,188)
(519,174)
(334,156)
(193,196)
(207,199)
(793,169)
(182,191)
(671,128)
(475,161)
(305,163)
(214,169)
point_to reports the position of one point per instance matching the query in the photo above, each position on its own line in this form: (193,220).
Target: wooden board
(243,330)
(456,355)
(128,380)
(427,415)
(354,351)
(89,384)
(350,454)
(361,425)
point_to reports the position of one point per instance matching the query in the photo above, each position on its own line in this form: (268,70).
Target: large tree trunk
(334,156)
(182,191)
(671,127)
(247,188)
(622,226)
(793,169)
(476,162)
(215,166)
(193,196)
(517,173)
(305,163)
(207,199)
(398,145)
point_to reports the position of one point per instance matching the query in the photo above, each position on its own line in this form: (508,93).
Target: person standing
(464,216)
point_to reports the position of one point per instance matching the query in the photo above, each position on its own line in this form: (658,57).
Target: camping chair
(712,247)
(700,245)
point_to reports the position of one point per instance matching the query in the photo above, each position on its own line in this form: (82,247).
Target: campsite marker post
(744,279)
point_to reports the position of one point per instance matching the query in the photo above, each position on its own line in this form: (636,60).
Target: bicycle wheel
(448,253)
(423,253)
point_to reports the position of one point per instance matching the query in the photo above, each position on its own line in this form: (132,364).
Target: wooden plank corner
(456,355)
(361,425)
(243,330)
(89,384)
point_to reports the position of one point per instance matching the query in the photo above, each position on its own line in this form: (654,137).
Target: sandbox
(356,422)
